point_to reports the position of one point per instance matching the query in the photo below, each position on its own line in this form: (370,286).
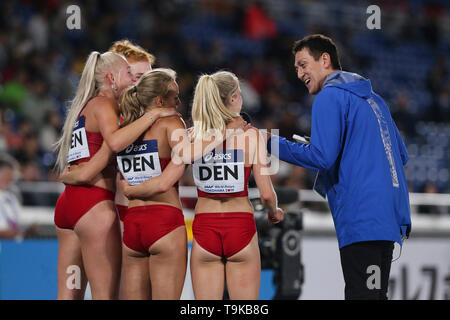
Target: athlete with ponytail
(85,217)
(140,61)
(154,238)
(225,245)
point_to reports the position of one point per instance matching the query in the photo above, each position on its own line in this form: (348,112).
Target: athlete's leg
(122,292)
(207,273)
(99,234)
(243,272)
(69,260)
(167,265)
(136,275)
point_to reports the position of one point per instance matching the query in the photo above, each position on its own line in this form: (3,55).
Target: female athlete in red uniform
(140,62)
(225,246)
(85,217)
(153,227)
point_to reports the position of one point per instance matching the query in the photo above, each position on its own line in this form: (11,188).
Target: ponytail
(209,112)
(136,99)
(130,107)
(94,72)
(85,91)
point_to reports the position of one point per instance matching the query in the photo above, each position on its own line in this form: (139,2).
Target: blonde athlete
(225,246)
(85,217)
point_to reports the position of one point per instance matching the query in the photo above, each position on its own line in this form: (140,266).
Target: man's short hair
(317,44)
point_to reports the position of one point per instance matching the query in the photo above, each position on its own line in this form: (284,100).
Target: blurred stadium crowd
(406,60)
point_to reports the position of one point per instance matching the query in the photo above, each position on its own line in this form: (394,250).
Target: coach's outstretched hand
(265,134)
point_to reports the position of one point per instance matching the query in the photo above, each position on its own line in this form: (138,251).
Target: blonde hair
(132,52)
(136,99)
(94,72)
(209,108)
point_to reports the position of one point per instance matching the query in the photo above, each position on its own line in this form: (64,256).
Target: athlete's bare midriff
(235,204)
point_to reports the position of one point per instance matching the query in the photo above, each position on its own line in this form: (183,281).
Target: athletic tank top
(140,161)
(221,174)
(85,144)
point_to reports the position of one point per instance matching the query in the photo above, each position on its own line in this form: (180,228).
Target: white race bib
(220,172)
(139,162)
(79,148)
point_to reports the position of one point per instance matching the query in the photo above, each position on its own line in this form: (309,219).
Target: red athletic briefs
(75,201)
(223,234)
(122,210)
(144,225)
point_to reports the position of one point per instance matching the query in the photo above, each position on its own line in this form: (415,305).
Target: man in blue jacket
(359,155)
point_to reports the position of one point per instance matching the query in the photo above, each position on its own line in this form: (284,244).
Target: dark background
(407,61)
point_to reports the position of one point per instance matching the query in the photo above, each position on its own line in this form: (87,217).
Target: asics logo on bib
(137,148)
(216,157)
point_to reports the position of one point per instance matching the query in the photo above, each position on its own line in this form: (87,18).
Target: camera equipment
(280,245)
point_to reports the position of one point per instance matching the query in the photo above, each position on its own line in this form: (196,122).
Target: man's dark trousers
(366,267)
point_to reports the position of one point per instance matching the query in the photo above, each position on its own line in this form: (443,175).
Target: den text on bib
(79,147)
(220,171)
(139,162)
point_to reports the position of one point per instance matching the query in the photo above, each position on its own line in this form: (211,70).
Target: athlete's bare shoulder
(252,133)
(172,122)
(101,103)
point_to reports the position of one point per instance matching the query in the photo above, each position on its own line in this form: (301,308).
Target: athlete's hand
(126,188)
(236,126)
(277,217)
(265,134)
(72,176)
(236,123)
(190,131)
(63,174)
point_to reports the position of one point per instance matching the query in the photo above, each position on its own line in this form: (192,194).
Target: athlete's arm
(262,178)
(108,122)
(160,184)
(327,135)
(85,172)
(171,174)
(185,151)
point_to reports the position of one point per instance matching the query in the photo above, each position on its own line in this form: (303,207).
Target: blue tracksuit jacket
(360,155)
